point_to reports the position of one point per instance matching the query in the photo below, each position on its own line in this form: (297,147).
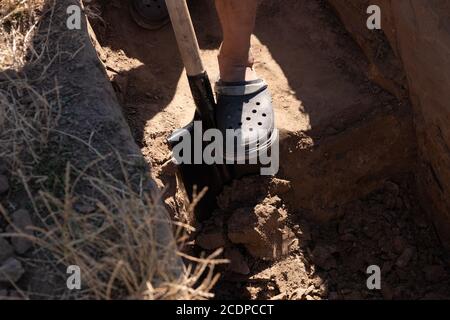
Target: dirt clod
(259,229)
(237,261)
(279,186)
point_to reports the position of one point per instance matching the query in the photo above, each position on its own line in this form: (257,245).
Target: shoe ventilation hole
(259,123)
(254,111)
(264,115)
(258,103)
(248,118)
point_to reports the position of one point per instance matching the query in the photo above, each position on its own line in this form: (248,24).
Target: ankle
(232,70)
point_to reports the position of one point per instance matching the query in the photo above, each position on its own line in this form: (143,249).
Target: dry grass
(26,114)
(18,20)
(121,242)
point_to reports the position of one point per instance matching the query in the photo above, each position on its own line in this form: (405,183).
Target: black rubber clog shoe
(246,108)
(149,14)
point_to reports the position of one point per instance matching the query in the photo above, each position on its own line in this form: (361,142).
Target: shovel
(196,177)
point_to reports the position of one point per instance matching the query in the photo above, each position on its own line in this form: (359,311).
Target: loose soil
(317,77)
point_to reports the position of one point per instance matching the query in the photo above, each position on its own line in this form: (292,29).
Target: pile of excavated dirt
(277,252)
(250,214)
(342,139)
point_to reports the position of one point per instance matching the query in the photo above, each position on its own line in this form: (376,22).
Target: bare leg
(237,18)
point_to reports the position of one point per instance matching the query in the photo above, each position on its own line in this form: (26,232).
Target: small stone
(405,257)
(22,220)
(11,270)
(279,186)
(4,184)
(298,293)
(237,261)
(84,208)
(6,250)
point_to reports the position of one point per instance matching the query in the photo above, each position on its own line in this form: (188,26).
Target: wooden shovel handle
(185,35)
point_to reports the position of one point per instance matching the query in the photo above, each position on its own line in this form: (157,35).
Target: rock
(237,261)
(6,250)
(22,220)
(11,270)
(211,238)
(405,257)
(260,229)
(279,186)
(303,292)
(84,208)
(4,184)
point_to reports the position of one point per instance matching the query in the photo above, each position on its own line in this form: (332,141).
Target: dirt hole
(284,236)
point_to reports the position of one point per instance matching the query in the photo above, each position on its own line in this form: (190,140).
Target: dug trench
(344,197)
